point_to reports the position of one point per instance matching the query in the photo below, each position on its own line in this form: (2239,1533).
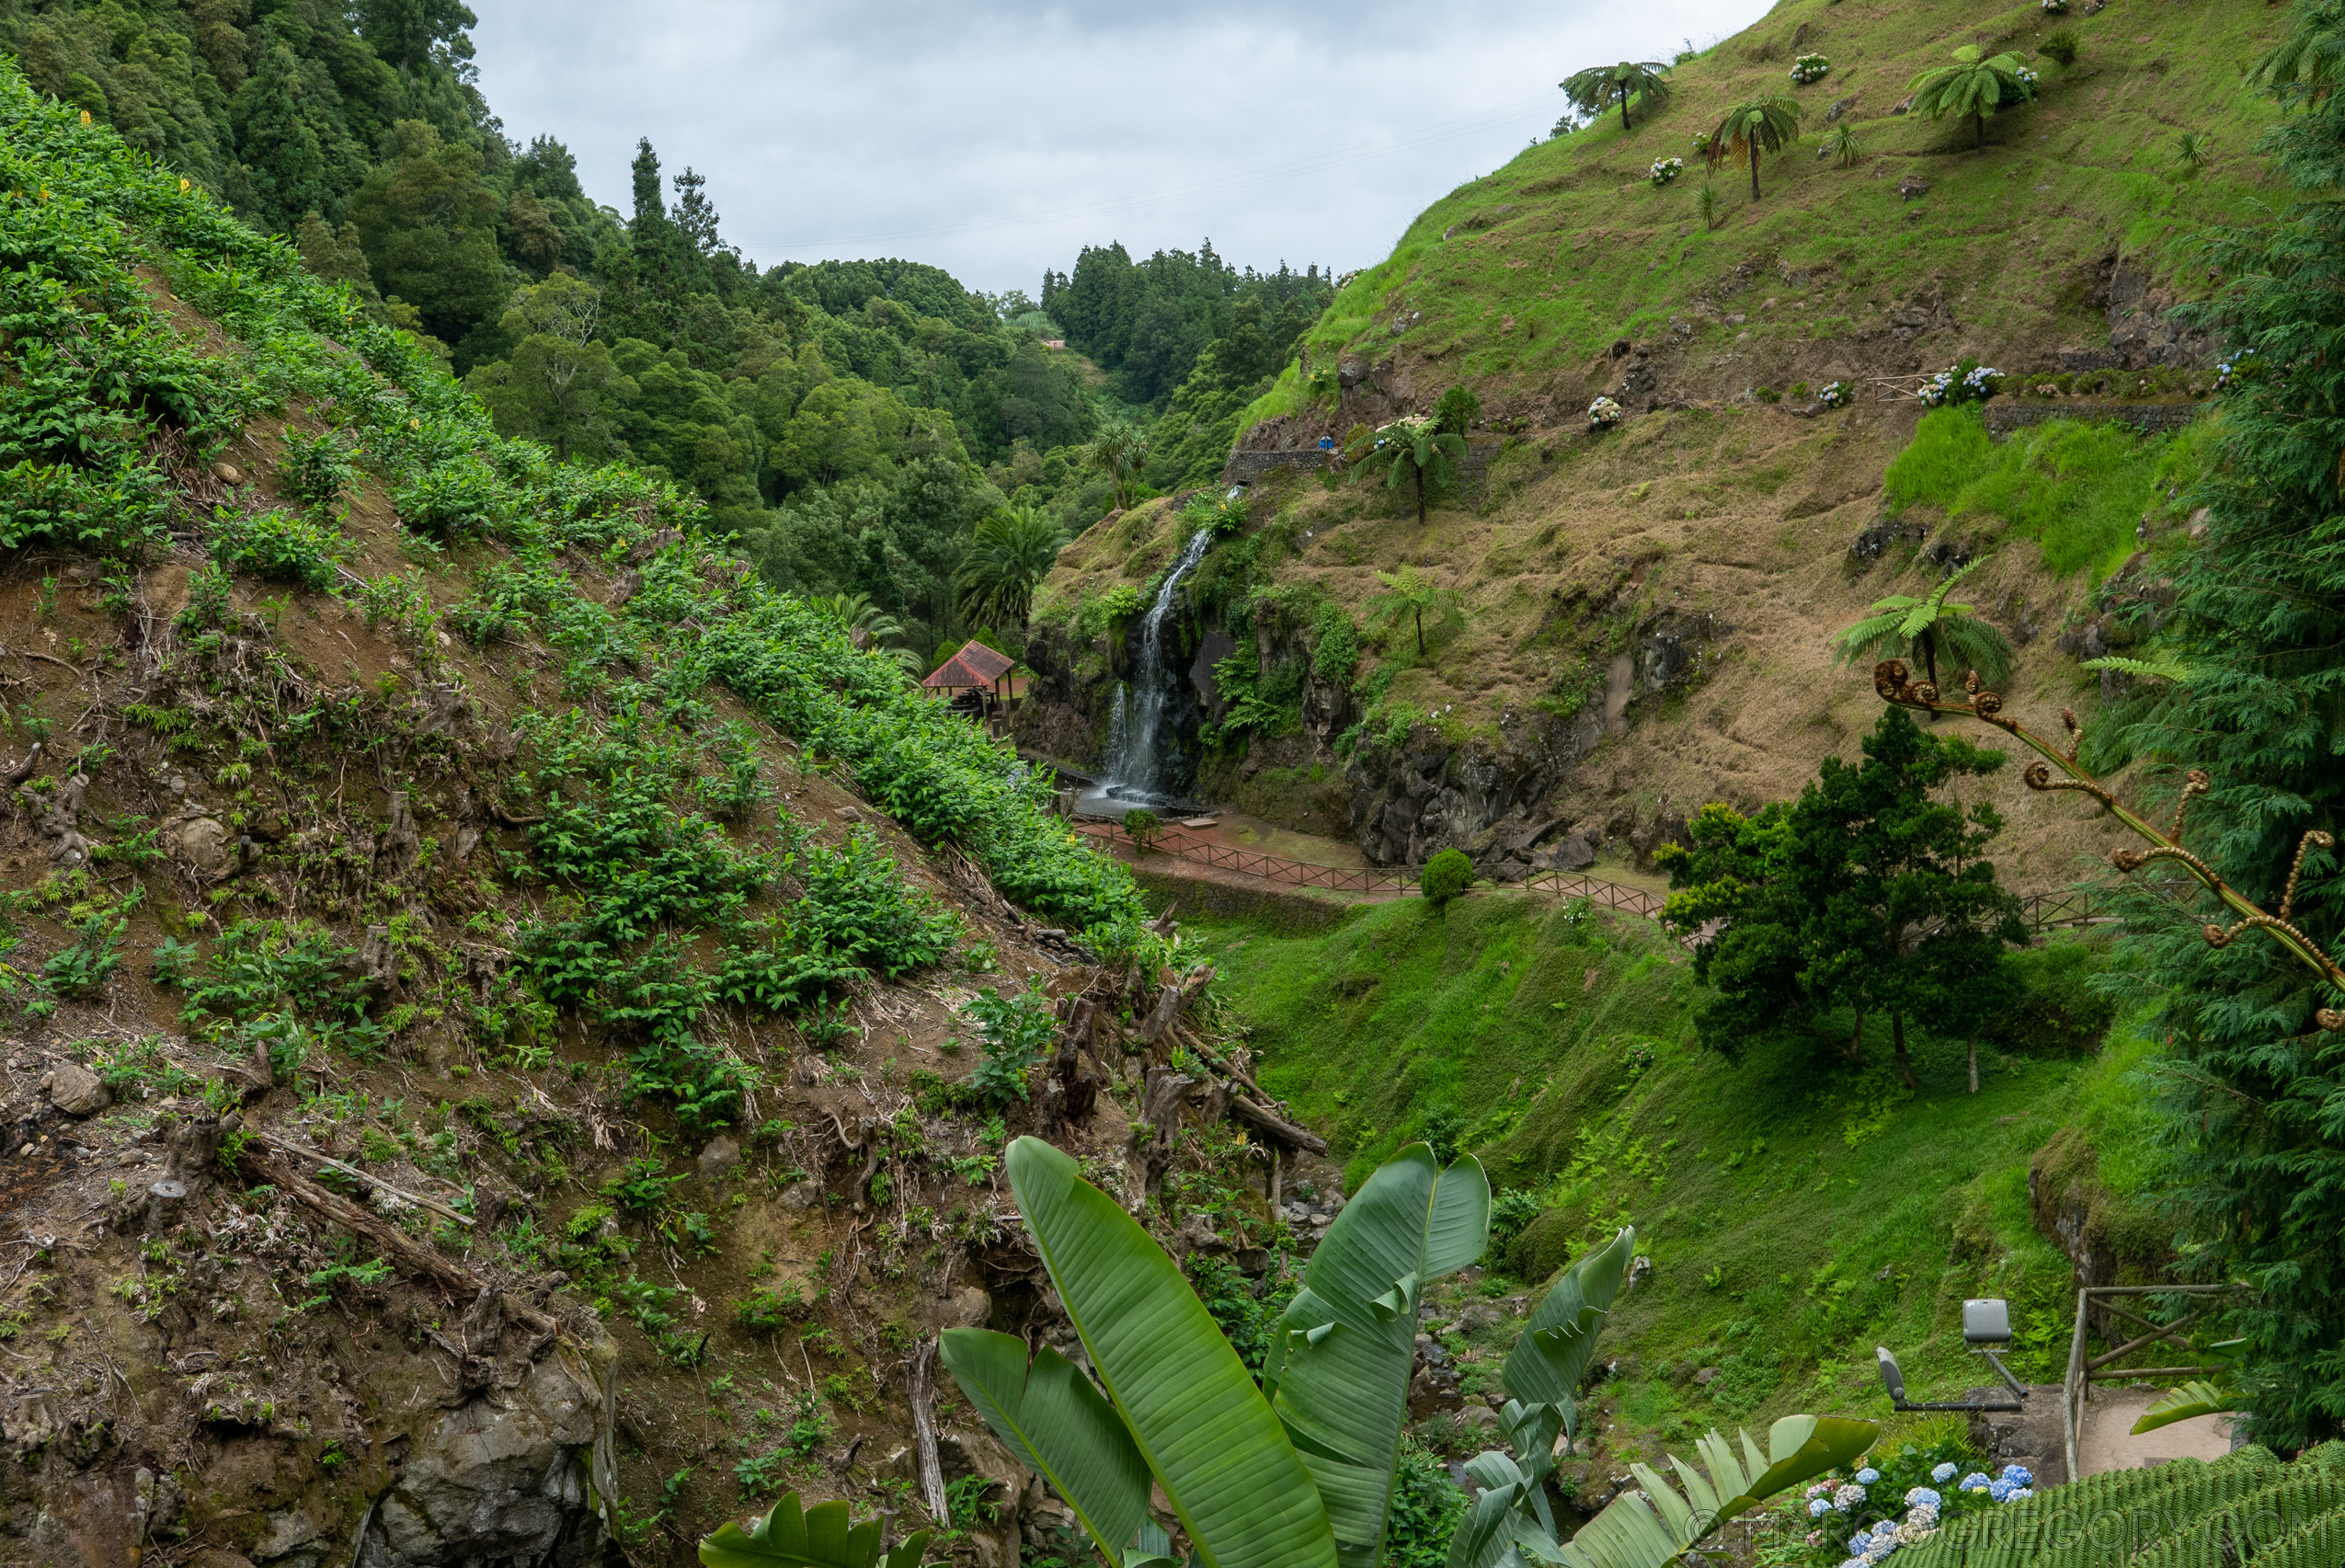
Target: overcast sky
(996,140)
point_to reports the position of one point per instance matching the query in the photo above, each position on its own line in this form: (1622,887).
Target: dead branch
(393,1245)
(375,1182)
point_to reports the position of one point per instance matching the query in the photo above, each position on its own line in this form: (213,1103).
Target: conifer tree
(2254,1089)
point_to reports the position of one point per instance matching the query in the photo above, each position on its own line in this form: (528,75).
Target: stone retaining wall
(1252,465)
(1249,465)
(2003,418)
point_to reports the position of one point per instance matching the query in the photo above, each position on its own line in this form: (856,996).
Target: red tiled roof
(975,665)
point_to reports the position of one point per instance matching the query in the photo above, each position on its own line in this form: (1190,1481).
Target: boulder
(497,1483)
(967,1308)
(202,843)
(1573,852)
(721,1155)
(75,1089)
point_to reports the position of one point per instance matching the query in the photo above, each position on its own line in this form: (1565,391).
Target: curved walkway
(2106,1441)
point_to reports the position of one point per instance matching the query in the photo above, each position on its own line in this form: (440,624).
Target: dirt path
(2106,1442)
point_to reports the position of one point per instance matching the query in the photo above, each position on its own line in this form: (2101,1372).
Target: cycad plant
(1762,125)
(1414,448)
(1929,628)
(1843,145)
(1010,553)
(2190,152)
(1974,85)
(1597,89)
(1299,1471)
(1707,204)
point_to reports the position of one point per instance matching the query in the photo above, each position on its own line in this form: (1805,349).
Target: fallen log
(395,1244)
(1275,1128)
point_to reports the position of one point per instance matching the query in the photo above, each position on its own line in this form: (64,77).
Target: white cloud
(995,142)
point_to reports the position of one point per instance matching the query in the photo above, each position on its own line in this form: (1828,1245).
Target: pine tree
(2255,1089)
(1865,894)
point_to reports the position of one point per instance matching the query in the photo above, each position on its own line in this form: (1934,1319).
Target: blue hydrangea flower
(2001,1490)
(1975,1482)
(1867,1475)
(1944,1472)
(1858,1543)
(2020,1492)
(2019,1473)
(1819,1507)
(1923,1496)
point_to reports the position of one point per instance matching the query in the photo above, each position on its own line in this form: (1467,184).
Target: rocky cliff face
(1407,797)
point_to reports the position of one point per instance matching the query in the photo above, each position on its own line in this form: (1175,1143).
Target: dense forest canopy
(849,422)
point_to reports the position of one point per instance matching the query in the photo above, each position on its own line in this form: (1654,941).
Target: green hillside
(1796,1212)
(1513,282)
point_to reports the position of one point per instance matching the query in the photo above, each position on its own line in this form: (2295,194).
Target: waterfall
(1138,744)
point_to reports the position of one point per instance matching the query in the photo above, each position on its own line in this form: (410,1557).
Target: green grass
(1797,1212)
(2079,488)
(1540,265)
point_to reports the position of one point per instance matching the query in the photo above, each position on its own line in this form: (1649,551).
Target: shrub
(1665,170)
(1446,875)
(1143,824)
(1837,395)
(1019,1029)
(2060,45)
(1510,1211)
(1968,381)
(451,499)
(318,468)
(1603,414)
(1335,647)
(1457,411)
(279,547)
(768,1310)
(1809,68)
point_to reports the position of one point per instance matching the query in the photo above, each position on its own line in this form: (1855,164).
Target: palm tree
(1009,555)
(1415,446)
(1974,86)
(1927,628)
(1408,598)
(865,623)
(1117,452)
(1595,88)
(1763,125)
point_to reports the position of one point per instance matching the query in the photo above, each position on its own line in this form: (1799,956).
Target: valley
(528,1035)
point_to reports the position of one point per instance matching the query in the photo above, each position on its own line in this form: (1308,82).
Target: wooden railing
(2042,912)
(2085,1370)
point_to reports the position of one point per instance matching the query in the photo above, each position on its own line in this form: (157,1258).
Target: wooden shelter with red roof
(975,668)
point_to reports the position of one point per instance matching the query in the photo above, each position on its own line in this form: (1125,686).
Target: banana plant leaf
(1343,1352)
(2192,1399)
(1199,1423)
(1546,1364)
(1059,1424)
(819,1537)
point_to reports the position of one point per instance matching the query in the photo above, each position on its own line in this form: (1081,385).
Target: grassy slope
(313,698)
(1796,1216)
(1734,508)
(1569,246)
